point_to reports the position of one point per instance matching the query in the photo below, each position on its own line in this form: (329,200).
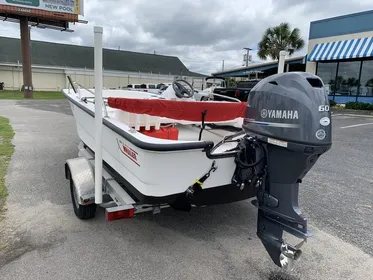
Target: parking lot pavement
(337,195)
(45,240)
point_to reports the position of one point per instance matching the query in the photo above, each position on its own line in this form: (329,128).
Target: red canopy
(181,110)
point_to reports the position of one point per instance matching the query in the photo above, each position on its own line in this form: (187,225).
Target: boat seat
(153,112)
(215,111)
(137,120)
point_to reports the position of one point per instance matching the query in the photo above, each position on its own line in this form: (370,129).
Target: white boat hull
(154,173)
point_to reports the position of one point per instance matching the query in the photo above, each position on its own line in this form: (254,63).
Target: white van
(152,88)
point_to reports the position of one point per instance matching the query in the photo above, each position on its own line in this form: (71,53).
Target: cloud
(202,33)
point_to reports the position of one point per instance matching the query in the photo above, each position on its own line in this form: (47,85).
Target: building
(340,51)
(52,62)
(262,70)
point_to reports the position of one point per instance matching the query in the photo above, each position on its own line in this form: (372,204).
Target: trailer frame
(118,204)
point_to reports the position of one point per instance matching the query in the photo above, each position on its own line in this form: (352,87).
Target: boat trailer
(118,203)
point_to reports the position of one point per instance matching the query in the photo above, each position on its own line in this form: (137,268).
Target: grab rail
(75,90)
(226,97)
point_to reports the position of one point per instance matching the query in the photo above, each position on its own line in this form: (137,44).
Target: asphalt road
(45,240)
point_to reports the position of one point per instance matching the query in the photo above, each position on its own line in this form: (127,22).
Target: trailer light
(119,212)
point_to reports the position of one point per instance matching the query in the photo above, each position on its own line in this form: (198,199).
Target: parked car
(240,91)
(152,88)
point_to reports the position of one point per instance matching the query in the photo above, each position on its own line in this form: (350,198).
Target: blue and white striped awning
(354,48)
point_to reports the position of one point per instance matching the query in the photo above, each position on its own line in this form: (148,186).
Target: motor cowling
(291,107)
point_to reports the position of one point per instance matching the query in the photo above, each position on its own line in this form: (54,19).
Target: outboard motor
(288,115)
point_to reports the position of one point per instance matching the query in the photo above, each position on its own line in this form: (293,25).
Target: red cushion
(181,110)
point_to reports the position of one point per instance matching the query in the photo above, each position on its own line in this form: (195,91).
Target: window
(366,80)
(348,78)
(152,86)
(137,86)
(327,73)
(247,84)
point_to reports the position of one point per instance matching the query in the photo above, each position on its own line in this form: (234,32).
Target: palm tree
(369,85)
(278,38)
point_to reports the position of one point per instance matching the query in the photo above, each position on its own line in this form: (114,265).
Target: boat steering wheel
(181,91)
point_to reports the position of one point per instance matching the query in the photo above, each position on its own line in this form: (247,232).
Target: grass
(18,95)
(6,151)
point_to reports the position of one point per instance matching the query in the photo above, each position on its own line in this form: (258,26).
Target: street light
(247,55)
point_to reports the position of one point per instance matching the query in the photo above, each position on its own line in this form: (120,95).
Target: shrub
(332,103)
(359,106)
(351,105)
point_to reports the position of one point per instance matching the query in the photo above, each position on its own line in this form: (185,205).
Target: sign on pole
(36,7)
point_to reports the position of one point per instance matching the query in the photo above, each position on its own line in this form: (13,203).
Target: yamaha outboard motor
(288,115)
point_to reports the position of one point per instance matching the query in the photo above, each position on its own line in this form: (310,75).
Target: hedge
(359,106)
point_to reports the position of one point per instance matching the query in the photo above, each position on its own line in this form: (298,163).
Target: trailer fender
(80,171)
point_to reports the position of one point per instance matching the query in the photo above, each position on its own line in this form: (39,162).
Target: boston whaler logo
(128,152)
(279,114)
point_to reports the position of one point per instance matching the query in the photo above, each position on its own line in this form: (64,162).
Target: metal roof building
(63,55)
(265,69)
(52,62)
(340,52)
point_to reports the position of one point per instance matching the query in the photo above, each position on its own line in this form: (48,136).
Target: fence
(55,78)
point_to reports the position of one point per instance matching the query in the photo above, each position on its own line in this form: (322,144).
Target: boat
(171,149)
(206,93)
(209,84)
(212,82)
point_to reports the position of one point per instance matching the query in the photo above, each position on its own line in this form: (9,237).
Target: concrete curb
(351,112)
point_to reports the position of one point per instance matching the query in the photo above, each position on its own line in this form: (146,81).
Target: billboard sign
(73,7)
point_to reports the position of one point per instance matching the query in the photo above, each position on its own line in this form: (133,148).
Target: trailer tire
(83,212)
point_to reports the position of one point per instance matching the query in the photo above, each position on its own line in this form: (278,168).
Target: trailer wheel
(83,212)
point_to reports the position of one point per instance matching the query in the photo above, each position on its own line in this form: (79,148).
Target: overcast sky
(202,33)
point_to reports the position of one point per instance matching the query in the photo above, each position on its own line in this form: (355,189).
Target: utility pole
(26,57)
(247,55)
(222,67)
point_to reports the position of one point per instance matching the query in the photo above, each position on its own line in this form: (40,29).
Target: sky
(202,33)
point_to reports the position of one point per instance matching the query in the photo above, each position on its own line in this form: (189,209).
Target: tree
(278,38)
(369,85)
(231,82)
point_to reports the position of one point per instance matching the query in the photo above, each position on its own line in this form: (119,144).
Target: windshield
(215,84)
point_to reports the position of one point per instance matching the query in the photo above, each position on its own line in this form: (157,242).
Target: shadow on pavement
(57,106)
